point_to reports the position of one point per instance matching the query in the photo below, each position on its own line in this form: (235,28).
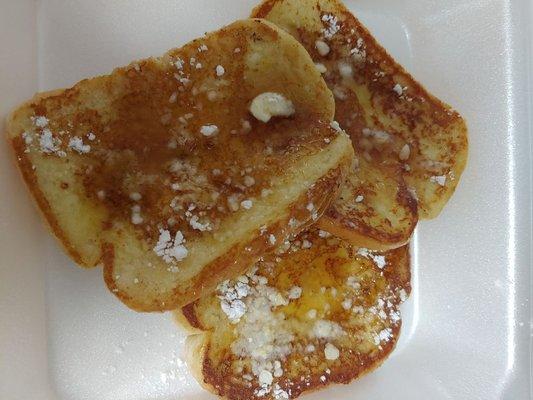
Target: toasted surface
(159,172)
(374,208)
(317,312)
(392,120)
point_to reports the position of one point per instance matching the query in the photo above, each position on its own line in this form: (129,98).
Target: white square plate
(467,332)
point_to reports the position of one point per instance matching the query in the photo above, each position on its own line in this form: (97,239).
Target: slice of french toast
(316,312)
(166,172)
(394,123)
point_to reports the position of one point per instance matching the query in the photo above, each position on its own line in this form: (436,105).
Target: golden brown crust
(25,167)
(398,271)
(386,217)
(27,171)
(196,347)
(364,227)
(210,379)
(186,318)
(365,236)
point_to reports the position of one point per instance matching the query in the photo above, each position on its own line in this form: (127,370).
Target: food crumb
(322,48)
(209,130)
(220,70)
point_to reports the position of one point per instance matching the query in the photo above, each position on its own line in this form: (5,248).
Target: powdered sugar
(209,130)
(378,259)
(383,336)
(195,224)
(49,144)
(40,121)
(28,138)
(336,126)
(440,180)
(332,25)
(136,217)
(295,292)
(377,136)
(321,68)
(353,282)
(345,70)
(76,144)
(312,209)
(247,204)
(231,298)
(171,249)
(220,70)
(404,153)
(262,334)
(324,329)
(322,48)
(398,89)
(331,352)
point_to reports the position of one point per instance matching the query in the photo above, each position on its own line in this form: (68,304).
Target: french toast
(160,171)
(316,312)
(406,136)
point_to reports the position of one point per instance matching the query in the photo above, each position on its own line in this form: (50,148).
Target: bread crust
(27,171)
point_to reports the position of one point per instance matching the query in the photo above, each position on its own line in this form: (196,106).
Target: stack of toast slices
(261,182)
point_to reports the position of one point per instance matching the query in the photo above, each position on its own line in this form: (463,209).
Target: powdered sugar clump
(295,292)
(209,130)
(440,180)
(378,259)
(332,25)
(262,334)
(231,298)
(383,336)
(170,250)
(49,144)
(220,70)
(324,329)
(76,144)
(196,224)
(40,121)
